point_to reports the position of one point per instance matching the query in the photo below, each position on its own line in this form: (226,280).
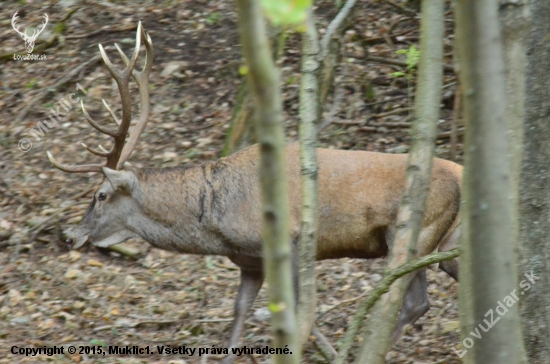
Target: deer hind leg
(251,282)
(415,304)
(449,242)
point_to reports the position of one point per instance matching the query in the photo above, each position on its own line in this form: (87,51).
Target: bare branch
(334,27)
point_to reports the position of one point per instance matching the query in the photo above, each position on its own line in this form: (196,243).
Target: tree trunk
(376,342)
(488,272)
(309,117)
(535,190)
(241,133)
(515,19)
(263,80)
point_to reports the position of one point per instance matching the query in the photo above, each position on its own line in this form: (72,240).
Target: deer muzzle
(76,243)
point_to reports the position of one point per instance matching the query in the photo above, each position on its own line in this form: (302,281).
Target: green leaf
(59,28)
(397,74)
(276,307)
(286,11)
(413,56)
(32,83)
(243,70)
(213,18)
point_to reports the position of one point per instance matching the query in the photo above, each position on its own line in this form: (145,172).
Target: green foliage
(59,28)
(413,56)
(276,307)
(398,74)
(32,83)
(213,18)
(243,70)
(286,11)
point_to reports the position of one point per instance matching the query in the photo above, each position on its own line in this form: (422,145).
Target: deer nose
(69,242)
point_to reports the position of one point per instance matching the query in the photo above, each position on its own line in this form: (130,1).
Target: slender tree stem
(376,342)
(263,79)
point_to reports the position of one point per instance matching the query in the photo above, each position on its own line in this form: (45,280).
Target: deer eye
(102,196)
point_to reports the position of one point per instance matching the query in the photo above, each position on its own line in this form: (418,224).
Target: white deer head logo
(29,40)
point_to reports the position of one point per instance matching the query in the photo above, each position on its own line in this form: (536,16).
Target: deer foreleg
(251,282)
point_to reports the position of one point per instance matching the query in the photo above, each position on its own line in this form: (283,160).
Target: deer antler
(120,152)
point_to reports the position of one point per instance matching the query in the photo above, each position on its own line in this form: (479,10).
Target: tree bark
(376,341)
(534,204)
(263,78)
(488,272)
(515,19)
(309,116)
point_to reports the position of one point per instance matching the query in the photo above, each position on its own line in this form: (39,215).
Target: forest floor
(53,296)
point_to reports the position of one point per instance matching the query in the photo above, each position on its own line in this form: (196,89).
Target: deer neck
(176,210)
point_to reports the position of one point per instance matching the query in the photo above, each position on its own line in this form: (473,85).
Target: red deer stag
(215,209)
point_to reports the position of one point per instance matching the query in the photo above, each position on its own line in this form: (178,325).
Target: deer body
(216,209)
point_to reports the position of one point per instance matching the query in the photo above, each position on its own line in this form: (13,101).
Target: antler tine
(100,153)
(122,55)
(117,75)
(101,129)
(110,112)
(142,79)
(74,169)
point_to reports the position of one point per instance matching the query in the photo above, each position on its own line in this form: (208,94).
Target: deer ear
(125,180)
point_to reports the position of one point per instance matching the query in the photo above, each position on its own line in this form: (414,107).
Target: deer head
(29,39)
(98,225)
